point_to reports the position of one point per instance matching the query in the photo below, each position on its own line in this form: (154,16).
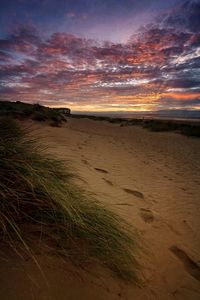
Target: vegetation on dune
(185,127)
(36,112)
(41,205)
(163,125)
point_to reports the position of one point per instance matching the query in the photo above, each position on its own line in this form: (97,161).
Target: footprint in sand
(135,193)
(101,170)
(108,181)
(190,266)
(187,225)
(146,215)
(85,161)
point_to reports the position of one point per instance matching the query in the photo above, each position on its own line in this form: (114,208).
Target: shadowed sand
(150,179)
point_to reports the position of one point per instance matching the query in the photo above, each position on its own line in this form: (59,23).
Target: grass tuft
(40,204)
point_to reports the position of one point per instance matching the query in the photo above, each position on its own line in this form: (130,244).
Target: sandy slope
(152,180)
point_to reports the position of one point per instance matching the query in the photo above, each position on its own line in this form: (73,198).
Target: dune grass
(41,204)
(36,112)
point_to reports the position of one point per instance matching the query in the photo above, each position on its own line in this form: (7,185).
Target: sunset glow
(101,55)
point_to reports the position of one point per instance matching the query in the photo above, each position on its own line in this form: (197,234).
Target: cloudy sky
(101,55)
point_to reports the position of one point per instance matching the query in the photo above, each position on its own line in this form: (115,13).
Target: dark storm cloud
(24,39)
(186,103)
(183,83)
(4,57)
(186,16)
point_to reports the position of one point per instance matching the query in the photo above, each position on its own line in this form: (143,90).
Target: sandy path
(152,180)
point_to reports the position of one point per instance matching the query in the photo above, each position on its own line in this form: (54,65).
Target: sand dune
(153,181)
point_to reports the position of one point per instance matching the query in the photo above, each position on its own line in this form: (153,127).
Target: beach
(152,180)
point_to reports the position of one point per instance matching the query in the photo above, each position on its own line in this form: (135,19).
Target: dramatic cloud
(185,16)
(158,68)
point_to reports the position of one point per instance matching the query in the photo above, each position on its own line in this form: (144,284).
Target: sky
(101,55)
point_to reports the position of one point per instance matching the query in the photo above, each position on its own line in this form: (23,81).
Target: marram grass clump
(41,204)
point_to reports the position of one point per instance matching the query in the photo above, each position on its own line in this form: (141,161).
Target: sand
(153,181)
